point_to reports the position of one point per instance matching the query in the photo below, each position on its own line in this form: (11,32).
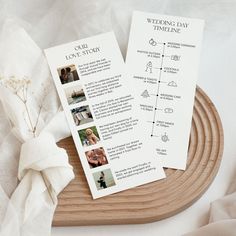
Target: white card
(91,82)
(162,62)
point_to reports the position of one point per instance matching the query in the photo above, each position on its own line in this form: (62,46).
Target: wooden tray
(154,201)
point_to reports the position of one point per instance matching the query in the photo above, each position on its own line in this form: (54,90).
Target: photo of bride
(104,179)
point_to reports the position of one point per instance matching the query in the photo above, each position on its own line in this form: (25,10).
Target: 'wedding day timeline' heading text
(167,25)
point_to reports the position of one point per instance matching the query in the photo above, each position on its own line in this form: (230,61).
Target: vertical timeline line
(158,88)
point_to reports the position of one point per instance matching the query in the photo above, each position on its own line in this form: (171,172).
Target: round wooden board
(154,201)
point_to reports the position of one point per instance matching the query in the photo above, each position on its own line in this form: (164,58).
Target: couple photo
(68,74)
(96,157)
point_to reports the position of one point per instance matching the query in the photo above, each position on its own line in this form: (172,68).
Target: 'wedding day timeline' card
(91,81)
(162,62)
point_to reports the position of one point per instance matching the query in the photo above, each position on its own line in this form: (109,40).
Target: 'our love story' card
(92,84)
(162,62)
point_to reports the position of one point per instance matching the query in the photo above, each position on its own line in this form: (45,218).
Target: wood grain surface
(154,201)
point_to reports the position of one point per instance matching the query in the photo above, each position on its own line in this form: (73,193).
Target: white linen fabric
(222,217)
(50,22)
(43,168)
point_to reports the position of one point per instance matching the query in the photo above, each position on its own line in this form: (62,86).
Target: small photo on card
(75,94)
(67,74)
(103,179)
(82,115)
(96,157)
(89,136)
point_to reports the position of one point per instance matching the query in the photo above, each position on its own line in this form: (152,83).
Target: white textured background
(54,22)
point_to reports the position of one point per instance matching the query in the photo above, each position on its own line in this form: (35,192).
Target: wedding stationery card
(162,62)
(91,81)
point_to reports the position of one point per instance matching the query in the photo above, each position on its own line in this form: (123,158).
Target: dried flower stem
(33,129)
(20,89)
(45,182)
(37,120)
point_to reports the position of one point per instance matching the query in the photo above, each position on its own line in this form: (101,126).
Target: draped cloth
(27,207)
(222,216)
